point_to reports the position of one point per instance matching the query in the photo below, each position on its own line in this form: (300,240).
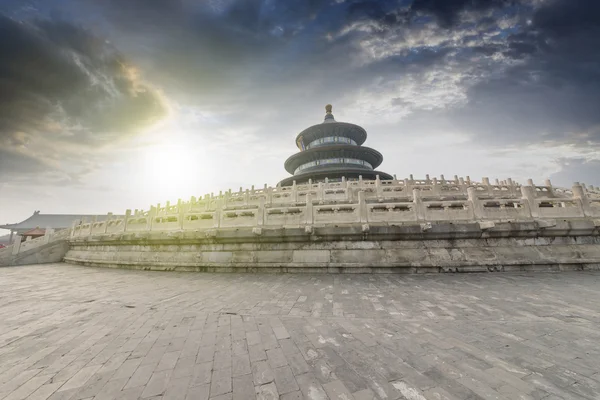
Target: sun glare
(173,171)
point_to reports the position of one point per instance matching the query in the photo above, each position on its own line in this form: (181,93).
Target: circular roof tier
(332,173)
(332,128)
(367,154)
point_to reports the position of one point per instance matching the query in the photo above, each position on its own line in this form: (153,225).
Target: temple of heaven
(331,151)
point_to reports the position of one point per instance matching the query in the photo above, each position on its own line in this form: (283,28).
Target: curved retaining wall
(442,247)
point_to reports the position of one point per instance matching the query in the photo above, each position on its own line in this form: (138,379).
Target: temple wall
(412,225)
(444,247)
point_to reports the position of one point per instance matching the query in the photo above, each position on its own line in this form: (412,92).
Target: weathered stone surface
(444,247)
(72,332)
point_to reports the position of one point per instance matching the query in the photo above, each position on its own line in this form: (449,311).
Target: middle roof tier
(354,152)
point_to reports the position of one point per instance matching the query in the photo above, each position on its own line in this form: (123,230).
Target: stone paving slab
(72,333)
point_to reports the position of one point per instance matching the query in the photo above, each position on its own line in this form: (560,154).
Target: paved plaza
(71,332)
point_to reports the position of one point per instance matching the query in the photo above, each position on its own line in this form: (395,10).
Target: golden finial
(328,108)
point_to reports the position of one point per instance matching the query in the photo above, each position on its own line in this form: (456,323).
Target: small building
(37,224)
(33,233)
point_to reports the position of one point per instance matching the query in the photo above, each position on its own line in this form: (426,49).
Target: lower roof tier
(333,174)
(371,156)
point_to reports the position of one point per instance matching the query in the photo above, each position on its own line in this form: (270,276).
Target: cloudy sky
(114,104)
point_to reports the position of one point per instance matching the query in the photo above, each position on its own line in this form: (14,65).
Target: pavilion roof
(34,232)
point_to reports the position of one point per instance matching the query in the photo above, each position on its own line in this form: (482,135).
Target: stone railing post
(126,220)
(294,192)
(320,192)
(348,188)
(151,215)
(17,245)
(73,225)
(418,204)
(218,210)
(180,213)
(528,194)
(362,207)
(511,186)
(579,194)
(476,206)
(309,209)
(435,188)
(378,188)
(406,185)
(92,222)
(107,220)
(48,234)
(260,221)
(485,181)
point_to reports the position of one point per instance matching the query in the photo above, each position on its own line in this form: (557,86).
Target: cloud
(551,94)
(64,93)
(497,73)
(447,12)
(577,170)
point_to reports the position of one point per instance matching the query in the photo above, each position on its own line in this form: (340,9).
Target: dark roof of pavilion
(55,221)
(334,128)
(34,232)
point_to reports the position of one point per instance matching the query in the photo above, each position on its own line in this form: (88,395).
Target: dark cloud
(61,84)
(528,71)
(447,12)
(551,93)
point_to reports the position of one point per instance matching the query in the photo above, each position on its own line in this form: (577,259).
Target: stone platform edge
(416,248)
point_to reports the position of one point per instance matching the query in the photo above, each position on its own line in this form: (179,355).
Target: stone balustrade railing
(391,202)
(19,246)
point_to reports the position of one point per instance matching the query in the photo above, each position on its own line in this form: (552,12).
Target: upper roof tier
(330,127)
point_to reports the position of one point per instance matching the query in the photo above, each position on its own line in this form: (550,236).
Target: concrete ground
(70,332)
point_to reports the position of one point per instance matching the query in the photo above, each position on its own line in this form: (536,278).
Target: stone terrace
(69,332)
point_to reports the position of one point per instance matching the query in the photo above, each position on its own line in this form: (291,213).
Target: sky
(113,104)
